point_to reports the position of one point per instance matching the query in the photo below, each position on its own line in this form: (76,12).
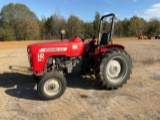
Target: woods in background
(18,22)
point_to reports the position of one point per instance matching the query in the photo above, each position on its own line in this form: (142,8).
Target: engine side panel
(39,53)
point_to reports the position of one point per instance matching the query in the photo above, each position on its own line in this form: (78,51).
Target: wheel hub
(113,68)
(52,87)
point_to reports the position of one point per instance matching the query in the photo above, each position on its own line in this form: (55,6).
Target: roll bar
(111,29)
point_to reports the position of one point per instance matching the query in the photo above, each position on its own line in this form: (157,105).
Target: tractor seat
(104,39)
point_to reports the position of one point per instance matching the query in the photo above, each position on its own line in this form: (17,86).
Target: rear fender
(115,46)
(105,48)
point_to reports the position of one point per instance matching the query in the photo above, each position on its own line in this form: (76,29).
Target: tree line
(18,22)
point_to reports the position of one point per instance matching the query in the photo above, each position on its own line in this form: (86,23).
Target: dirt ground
(83,99)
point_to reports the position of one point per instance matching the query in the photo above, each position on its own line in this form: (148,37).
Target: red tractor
(50,61)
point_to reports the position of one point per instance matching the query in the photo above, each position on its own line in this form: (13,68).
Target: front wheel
(52,86)
(114,68)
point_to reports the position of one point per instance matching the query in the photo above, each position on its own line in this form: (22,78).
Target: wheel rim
(116,69)
(52,87)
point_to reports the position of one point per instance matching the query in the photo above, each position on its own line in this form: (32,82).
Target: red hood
(53,44)
(48,44)
(38,46)
(72,47)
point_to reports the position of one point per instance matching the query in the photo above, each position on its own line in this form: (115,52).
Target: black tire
(52,86)
(114,68)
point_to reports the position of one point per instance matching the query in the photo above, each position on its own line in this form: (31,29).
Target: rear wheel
(52,86)
(114,68)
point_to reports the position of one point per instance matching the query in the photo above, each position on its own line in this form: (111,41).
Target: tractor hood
(72,47)
(49,44)
(39,47)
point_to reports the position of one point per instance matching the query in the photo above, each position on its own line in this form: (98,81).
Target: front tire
(114,68)
(52,86)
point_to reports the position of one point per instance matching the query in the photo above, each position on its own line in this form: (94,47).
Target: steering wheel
(84,36)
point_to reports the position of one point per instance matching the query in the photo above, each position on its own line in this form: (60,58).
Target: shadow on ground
(22,85)
(83,82)
(19,85)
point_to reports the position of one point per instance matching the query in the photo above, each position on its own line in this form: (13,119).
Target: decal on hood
(40,56)
(74,47)
(59,49)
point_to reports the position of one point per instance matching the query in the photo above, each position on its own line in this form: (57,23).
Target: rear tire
(114,68)
(52,86)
